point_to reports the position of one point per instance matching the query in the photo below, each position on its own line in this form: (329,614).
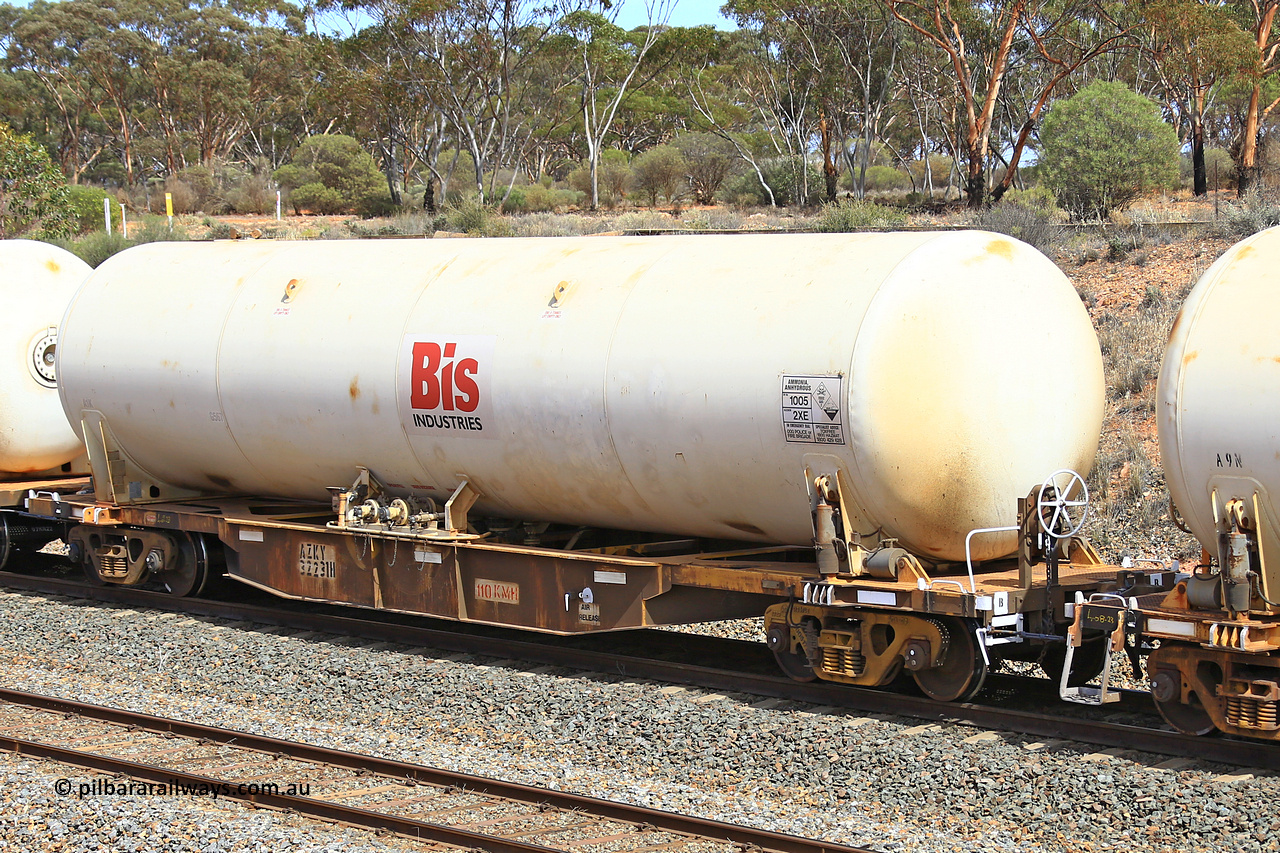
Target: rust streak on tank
(354,388)
(1002,248)
(52,265)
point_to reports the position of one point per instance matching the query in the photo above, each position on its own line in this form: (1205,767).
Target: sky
(687,13)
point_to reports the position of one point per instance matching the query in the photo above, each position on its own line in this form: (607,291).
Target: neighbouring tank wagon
(1218,415)
(38,281)
(868,438)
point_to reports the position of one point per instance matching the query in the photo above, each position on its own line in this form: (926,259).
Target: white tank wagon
(1218,414)
(675,384)
(534,426)
(38,281)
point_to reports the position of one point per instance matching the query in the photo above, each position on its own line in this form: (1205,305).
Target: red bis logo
(436,382)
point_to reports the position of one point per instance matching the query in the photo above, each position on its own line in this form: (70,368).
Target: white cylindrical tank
(38,283)
(1219,389)
(679,384)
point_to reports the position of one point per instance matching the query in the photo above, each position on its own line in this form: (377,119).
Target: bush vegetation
(1104,147)
(33,195)
(85,204)
(660,172)
(858,215)
(331,173)
(1253,213)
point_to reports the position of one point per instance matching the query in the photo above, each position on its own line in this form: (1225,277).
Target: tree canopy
(479,96)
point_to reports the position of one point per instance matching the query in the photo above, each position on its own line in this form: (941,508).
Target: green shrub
(885,179)
(743,189)
(858,215)
(33,192)
(253,194)
(1038,198)
(185,198)
(95,247)
(709,160)
(1219,169)
(219,231)
(155,229)
(939,168)
(660,171)
(378,204)
(472,217)
(539,198)
(1104,147)
(613,177)
(85,204)
(317,198)
(331,173)
(645,220)
(784,175)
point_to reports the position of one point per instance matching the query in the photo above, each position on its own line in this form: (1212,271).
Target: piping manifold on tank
(596,433)
(1218,415)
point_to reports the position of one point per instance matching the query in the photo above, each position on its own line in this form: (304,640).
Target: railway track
(755,680)
(445,808)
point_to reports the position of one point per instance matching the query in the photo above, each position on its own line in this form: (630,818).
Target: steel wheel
(191,575)
(961,672)
(1190,717)
(1086,664)
(795,666)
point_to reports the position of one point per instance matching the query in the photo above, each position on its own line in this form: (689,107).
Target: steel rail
(1244,753)
(636,815)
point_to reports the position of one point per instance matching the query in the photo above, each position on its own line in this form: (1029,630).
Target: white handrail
(968,554)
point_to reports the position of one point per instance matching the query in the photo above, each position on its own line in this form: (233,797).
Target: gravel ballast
(888,783)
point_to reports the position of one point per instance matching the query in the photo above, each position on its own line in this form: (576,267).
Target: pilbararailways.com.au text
(111,787)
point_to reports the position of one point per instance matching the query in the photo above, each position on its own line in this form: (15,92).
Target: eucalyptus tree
(1258,17)
(748,98)
(49,43)
(469,59)
(607,60)
(1193,46)
(206,67)
(850,49)
(198,72)
(984,42)
(765,98)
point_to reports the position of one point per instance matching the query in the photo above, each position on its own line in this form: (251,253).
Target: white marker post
(106,213)
(277,205)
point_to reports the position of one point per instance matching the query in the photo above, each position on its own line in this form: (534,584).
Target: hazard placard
(813,409)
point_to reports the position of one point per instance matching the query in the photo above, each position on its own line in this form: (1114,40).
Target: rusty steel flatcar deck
(290,549)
